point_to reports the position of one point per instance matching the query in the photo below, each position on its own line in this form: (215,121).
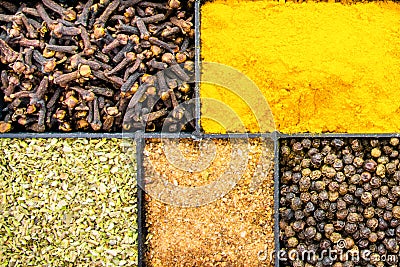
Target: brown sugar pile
(233,230)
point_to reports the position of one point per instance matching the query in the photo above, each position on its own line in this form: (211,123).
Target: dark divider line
(276,197)
(197,43)
(338,135)
(141,210)
(67,135)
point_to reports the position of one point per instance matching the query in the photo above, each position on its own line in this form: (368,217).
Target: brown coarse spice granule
(230,231)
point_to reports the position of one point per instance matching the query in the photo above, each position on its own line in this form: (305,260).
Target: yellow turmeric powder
(323,67)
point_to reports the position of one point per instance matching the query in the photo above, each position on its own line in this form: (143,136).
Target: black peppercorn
(309,207)
(365,177)
(363,243)
(373,237)
(306,143)
(370,165)
(382,202)
(287,177)
(312,151)
(350,228)
(315,175)
(320,185)
(310,232)
(396,191)
(348,198)
(352,188)
(369,212)
(382,224)
(296,203)
(391,168)
(349,171)
(327,261)
(372,223)
(352,209)
(375,193)
(343,188)
(396,176)
(289,232)
(390,232)
(314,198)
(297,147)
(328,229)
(285,150)
(292,242)
(333,207)
(298,214)
(398,231)
(365,232)
(325,244)
(342,214)
(337,143)
(305,197)
(366,197)
(304,183)
(367,187)
(348,159)
(316,160)
(349,243)
(359,192)
(296,177)
(298,226)
(323,195)
(311,221)
(374,142)
(352,217)
(358,162)
(287,214)
(321,226)
(391,245)
(384,190)
(381,235)
(376,152)
(387,150)
(319,215)
(338,165)
(316,143)
(341,204)
(339,225)
(305,163)
(387,215)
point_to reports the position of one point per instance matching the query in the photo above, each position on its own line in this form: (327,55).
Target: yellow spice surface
(323,67)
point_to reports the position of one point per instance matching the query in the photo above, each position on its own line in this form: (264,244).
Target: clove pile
(97,66)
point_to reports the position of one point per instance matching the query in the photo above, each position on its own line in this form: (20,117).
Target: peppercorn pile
(96,66)
(343,195)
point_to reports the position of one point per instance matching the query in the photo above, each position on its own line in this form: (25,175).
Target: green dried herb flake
(68,202)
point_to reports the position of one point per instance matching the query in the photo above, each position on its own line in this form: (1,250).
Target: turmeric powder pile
(323,67)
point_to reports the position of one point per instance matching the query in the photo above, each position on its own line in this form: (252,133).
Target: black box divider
(141,211)
(140,138)
(276,199)
(197,72)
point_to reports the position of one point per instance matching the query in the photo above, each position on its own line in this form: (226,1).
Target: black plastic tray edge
(197,72)
(141,214)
